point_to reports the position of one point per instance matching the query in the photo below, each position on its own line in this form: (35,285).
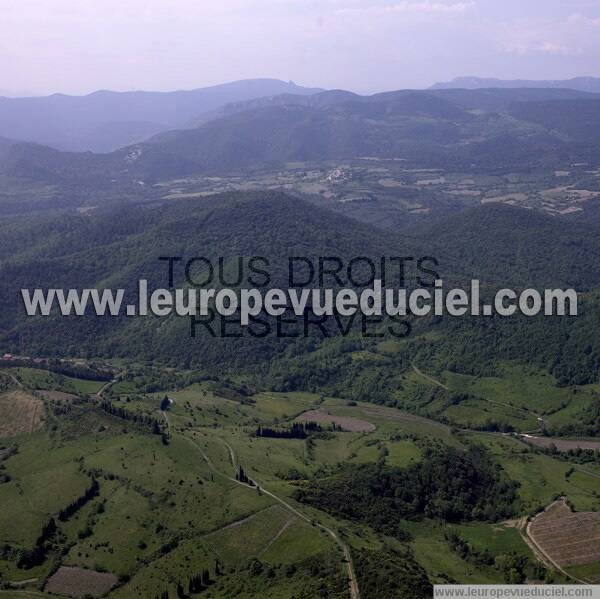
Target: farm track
(546,558)
(594,474)
(492,401)
(522,528)
(535,543)
(236,523)
(429,378)
(105,387)
(15,380)
(33,417)
(394,415)
(352,580)
(21,593)
(279,533)
(22,583)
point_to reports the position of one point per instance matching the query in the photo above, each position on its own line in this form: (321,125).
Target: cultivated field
(568,538)
(20,413)
(346,423)
(168,511)
(77,582)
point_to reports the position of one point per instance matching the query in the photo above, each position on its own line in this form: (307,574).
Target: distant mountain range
(486,130)
(584,84)
(106,120)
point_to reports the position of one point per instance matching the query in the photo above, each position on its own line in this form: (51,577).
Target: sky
(77,47)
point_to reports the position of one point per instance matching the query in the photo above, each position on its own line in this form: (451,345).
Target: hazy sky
(77,46)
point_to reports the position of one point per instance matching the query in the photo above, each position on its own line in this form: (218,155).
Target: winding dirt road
(524,411)
(106,386)
(352,580)
(528,534)
(429,378)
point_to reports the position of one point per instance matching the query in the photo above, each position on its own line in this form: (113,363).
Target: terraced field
(568,538)
(77,582)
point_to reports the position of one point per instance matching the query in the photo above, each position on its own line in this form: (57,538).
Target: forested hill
(116,248)
(516,247)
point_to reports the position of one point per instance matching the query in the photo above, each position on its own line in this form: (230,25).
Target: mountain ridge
(479,130)
(103,121)
(588,84)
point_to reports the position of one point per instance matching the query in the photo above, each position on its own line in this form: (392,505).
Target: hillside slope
(500,246)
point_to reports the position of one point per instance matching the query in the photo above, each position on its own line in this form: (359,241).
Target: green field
(519,395)
(43,379)
(588,572)
(168,511)
(497,539)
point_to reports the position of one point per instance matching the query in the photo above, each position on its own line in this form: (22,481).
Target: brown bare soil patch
(78,582)
(568,538)
(20,413)
(561,444)
(346,423)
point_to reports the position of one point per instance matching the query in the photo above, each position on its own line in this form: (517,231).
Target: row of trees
(29,558)
(516,569)
(242,477)
(91,492)
(71,369)
(196,584)
(143,420)
(298,430)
